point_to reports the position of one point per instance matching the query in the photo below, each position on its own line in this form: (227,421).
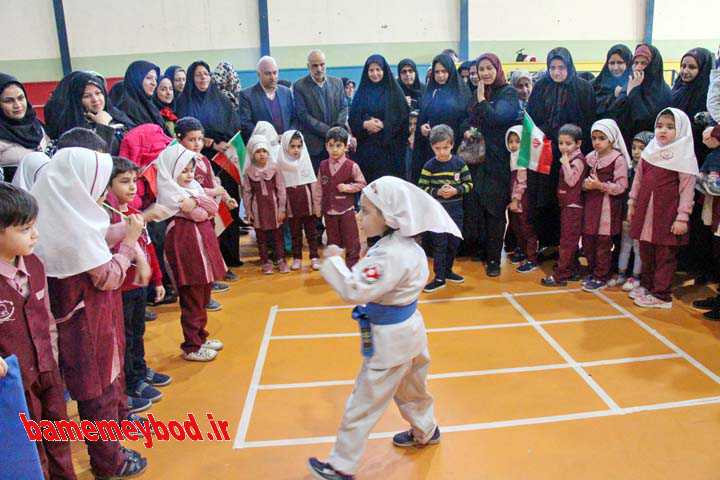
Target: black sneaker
(551,281)
(492,268)
(147,391)
(593,285)
(434,286)
(454,278)
(324,471)
(231,277)
(134,417)
(136,404)
(133,465)
(517,257)
(709,303)
(526,267)
(713,314)
(157,379)
(150,316)
(218,287)
(406,439)
(213,306)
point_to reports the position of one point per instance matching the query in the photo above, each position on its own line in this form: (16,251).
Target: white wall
(687,19)
(28,30)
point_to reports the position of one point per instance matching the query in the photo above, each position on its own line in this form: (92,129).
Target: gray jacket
(309,109)
(713,98)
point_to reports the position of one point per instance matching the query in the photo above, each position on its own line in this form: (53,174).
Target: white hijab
(409,209)
(71,224)
(266,130)
(516,129)
(28,170)
(296,171)
(170,164)
(679,155)
(611,130)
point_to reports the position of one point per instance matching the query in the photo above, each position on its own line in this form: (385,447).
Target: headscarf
(28,170)
(137,104)
(296,171)
(516,129)
(71,225)
(415,90)
(211,107)
(691,97)
(68,111)
(170,73)
(388,92)
(28,131)
(167,110)
(518,75)
(254,172)
(409,209)
(655,92)
(611,130)
(679,155)
(605,83)
(500,80)
(458,89)
(170,164)
(227,80)
(560,99)
(644,137)
(267,132)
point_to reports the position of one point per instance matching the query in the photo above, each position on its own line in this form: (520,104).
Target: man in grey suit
(319,105)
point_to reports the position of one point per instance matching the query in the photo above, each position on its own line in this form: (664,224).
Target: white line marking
(660,337)
(565,355)
(501,424)
(312,336)
(255,380)
(479,373)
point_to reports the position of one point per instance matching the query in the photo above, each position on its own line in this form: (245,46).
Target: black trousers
(492,224)
(134,314)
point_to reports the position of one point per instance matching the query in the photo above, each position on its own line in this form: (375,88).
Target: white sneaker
(296,264)
(637,292)
(616,281)
(315,263)
(213,344)
(202,355)
(651,301)
(631,284)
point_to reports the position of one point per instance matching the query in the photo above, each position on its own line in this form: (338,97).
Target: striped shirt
(454,172)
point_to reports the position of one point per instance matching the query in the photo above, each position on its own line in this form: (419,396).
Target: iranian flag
(223,219)
(233,159)
(535,150)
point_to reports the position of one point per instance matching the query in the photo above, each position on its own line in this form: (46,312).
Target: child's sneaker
(267,268)
(213,306)
(406,439)
(147,391)
(617,281)
(213,344)
(202,355)
(283,267)
(137,404)
(454,278)
(296,264)
(551,281)
(593,285)
(315,263)
(324,471)
(637,292)
(218,287)
(517,257)
(231,276)
(133,465)
(526,267)
(630,284)
(651,301)
(157,379)
(434,286)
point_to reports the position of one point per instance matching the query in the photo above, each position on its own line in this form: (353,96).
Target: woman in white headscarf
(608,165)
(387,283)
(29,169)
(665,178)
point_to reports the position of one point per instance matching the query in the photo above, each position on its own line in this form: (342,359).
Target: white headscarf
(28,170)
(170,164)
(296,171)
(409,209)
(266,130)
(71,224)
(611,130)
(516,129)
(679,155)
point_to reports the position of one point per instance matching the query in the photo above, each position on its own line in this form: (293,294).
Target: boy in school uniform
(27,328)
(340,180)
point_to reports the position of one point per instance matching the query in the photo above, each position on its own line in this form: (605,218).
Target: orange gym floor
(529,383)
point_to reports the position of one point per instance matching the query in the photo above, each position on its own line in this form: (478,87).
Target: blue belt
(376,314)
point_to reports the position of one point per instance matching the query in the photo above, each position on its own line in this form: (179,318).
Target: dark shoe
(708,303)
(231,277)
(219,287)
(434,286)
(147,391)
(593,285)
(137,404)
(133,465)
(527,267)
(213,306)
(323,471)
(713,315)
(517,257)
(492,268)
(135,418)
(150,316)
(551,281)
(157,379)
(454,278)
(406,439)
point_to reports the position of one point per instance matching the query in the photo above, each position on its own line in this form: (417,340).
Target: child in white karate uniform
(386,285)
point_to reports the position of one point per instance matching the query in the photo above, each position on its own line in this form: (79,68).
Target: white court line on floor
(468,427)
(255,380)
(311,336)
(438,300)
(660,337)
(480,373)
(564,354)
